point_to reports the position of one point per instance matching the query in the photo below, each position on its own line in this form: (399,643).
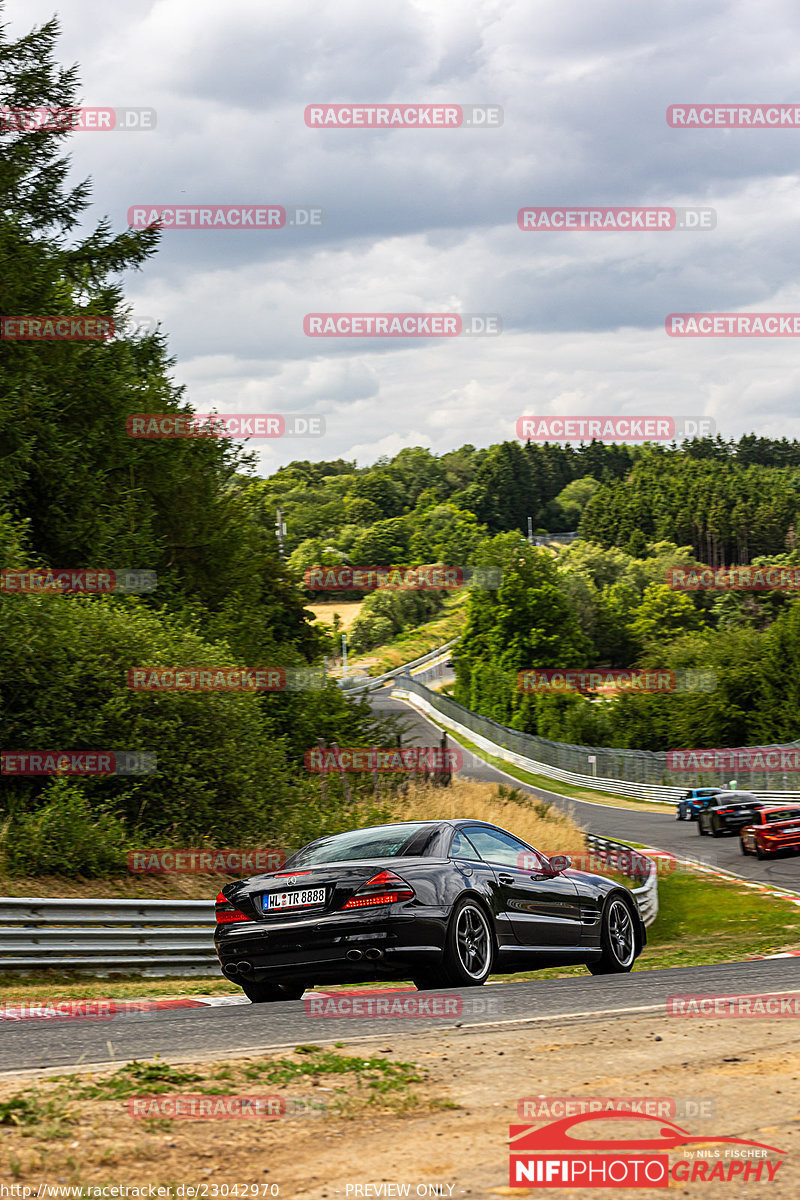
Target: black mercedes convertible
(444,903)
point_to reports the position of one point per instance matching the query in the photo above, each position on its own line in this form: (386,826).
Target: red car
(773,829)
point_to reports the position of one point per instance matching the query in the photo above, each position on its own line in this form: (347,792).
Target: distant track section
(378,681)
(532,753)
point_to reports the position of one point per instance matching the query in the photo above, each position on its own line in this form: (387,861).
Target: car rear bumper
(734,824)
(342,947)
(773,845)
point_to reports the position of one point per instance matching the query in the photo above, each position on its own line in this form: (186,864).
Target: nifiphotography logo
(553,1156)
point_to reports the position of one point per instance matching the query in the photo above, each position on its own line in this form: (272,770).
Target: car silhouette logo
(556,1136)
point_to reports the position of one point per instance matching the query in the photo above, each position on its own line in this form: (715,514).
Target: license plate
(281,900)
(791,829)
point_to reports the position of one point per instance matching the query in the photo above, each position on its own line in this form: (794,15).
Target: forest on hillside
(77,491)
(728,501)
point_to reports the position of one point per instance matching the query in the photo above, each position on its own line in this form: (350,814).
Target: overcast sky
(426,220)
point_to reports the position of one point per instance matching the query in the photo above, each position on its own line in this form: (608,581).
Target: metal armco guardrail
(152,938)
(541,757)
(646,894)
(559,539)
(103,937)
(367,685)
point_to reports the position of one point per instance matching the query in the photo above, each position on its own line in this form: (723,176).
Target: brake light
(383,888)
(227,913)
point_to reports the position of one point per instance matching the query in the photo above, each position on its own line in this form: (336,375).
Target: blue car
(689,806)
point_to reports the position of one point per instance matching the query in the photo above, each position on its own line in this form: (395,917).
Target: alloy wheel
(473,941)
(620,932)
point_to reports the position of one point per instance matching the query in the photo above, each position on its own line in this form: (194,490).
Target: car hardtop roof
(386,825)
(459,821)
(734,795)
(442,823)
(453,822)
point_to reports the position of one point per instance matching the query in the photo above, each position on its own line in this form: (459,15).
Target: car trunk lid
(314,890)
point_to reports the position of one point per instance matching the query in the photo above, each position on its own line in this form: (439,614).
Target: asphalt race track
(245,1029)
(656,829)
(236,1028)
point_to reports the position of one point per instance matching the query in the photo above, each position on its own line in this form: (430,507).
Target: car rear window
(783,814)
(389,841)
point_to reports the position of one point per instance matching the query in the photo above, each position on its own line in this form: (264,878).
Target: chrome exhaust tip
(230,969)
(353,955)
(373,953)
(244,968)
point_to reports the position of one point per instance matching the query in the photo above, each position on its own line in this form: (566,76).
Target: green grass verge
(374,1083)
(59,985)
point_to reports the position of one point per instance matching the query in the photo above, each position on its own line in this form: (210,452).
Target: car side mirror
(559,863)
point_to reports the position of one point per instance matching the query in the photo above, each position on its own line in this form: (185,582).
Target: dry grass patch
(538,822)
(348,610)
(119,887)
(74,1127)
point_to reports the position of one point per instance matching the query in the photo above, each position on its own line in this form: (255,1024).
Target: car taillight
(383,888)
(227,913)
